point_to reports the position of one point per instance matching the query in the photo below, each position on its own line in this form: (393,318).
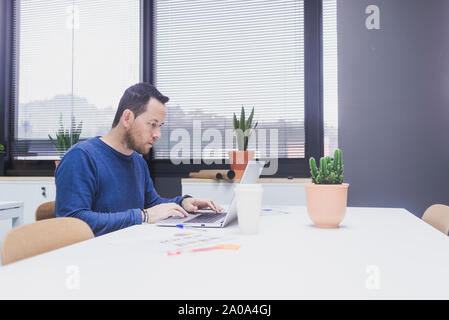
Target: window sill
(261,180)
(23,178)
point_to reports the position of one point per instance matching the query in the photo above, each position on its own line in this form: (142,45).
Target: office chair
(42,236)
(45,211)
(437,216)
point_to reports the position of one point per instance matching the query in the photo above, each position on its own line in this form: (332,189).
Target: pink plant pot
(239,161)
(326,203)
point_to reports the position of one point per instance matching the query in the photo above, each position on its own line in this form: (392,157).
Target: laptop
(211,219)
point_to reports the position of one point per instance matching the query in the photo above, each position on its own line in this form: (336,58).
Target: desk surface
(375,254)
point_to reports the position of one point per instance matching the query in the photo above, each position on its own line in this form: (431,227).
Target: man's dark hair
(136,99)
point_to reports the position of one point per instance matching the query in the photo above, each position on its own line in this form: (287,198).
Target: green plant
(66,138)
(330,170)
(2,147)
(243,129)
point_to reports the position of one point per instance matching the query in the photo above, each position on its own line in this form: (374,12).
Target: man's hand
(194,204)
(164,211)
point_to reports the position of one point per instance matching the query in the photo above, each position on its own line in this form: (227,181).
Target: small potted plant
(243,129)
(65,139)
(327,196)
(2,159)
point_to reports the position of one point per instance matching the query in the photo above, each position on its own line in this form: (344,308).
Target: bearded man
(105,182)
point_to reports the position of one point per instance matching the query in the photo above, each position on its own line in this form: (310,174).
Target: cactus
(243,129)
(330,170)
(66,138)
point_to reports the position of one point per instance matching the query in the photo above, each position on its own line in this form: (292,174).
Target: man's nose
(157,133)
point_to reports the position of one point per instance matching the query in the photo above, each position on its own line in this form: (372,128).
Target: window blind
(330,77)
(75,59)
(212,58)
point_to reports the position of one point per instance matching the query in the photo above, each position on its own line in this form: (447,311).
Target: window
(75,59)
(213,57)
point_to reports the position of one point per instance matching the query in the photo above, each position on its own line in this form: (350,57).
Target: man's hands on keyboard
(164,211)
(192,205)
(207,217)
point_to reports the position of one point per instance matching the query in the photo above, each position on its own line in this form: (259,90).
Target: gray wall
(394,103)
(168,187)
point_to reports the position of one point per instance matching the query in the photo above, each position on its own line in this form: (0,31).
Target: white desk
(12,210)
(375,254)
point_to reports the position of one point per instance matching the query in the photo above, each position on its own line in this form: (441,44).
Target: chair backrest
(45,211)
(43,236)
(437,216)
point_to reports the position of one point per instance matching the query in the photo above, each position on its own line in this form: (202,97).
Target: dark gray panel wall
(168,187)
(394,103)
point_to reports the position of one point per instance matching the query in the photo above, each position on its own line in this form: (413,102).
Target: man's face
(146,128)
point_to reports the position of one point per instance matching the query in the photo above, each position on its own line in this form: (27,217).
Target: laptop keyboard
(207,218)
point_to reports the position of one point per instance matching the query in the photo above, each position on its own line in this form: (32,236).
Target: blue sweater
(104,187)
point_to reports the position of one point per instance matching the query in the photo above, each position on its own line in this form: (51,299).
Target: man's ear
(127,118)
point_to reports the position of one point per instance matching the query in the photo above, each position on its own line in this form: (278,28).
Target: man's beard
(131,143)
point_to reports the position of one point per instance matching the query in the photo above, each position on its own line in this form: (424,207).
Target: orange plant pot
(239,161)
(326,203)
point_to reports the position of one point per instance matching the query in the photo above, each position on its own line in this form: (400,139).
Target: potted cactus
(66,138)
(327,196)
(243,130)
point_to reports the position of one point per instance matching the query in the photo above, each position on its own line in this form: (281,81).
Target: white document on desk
(191,241)
(181,241)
